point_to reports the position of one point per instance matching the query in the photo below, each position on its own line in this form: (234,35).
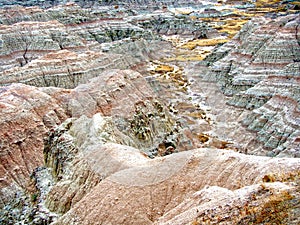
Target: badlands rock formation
(264,79)
(149,112)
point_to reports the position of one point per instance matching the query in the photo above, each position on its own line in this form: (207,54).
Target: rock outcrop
(22,42)
(32,48)
(149,192)
(26,115)
(65,69)
(144,122)
(256,204)
(264,80)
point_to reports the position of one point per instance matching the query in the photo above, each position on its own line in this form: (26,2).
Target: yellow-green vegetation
(203,138)
(184,53)
(34,197)
(202,43)
(295,3)
(178,78)
(192,50)
(164,69)
(263,3)
(169,72)
(197,114)
(265,6)
(228,25)
(231,26)
(186,57)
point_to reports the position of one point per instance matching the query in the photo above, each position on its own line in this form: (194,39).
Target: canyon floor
(149,112)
